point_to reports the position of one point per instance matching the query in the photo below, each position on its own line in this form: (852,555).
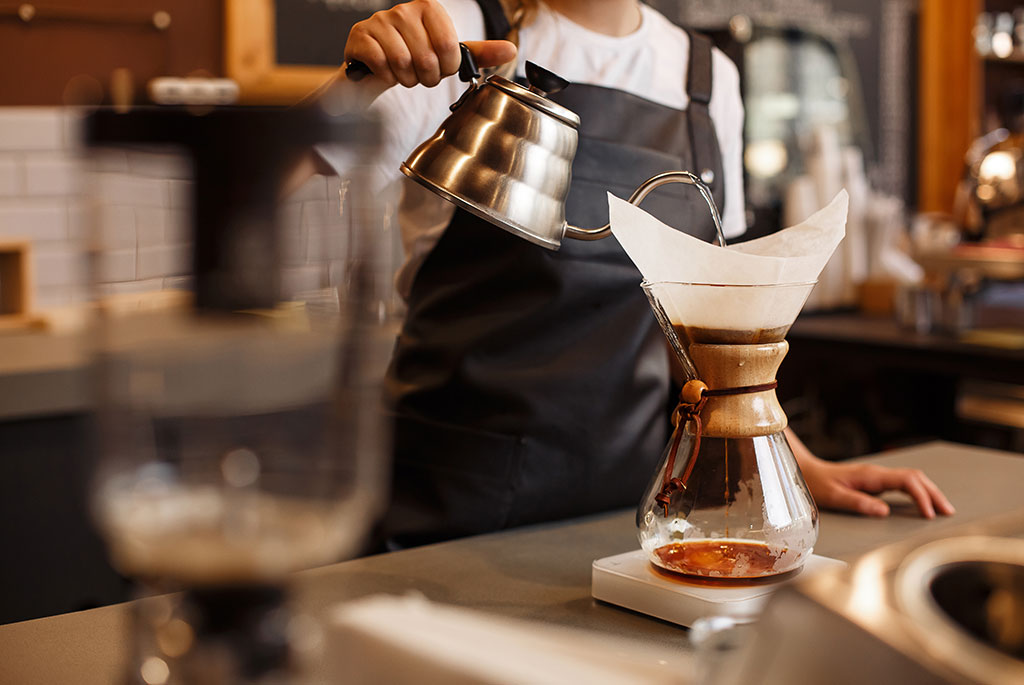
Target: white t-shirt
(651,63)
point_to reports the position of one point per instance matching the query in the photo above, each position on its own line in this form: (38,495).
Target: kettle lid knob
(542,81)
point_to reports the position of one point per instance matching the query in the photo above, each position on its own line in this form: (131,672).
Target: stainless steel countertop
(540,573)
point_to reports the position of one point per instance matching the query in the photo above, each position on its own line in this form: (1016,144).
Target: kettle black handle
(468,70)
(356,70)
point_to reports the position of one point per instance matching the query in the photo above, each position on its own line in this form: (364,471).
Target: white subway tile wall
(78,220)
(293,245)
(10,176)
(36,219)
(56,265)
(302,279)
(177,224)
(316,213)
(150,226)
(39,177)
(116,266)
(143,240)
(125,188)
(163,261)
(48,175)
(32,128)
(116,227)
(179,194)
(130,287)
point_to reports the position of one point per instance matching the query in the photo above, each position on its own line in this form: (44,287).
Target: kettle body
(505,154)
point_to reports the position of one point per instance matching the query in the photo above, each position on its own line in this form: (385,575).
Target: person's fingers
(850,486)
(911,482)
(408,21)
(492,53)
(840,497)
(942,503)
(398,54)
(916,489)
(416,42)
(443,38)
(867,477)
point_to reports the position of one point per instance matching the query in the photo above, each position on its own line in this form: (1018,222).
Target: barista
(531,385)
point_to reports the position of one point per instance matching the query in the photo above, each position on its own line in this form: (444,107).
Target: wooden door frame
(250,57)
(949,87)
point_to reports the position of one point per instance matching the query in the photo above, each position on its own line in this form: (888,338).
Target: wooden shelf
(1015,58)
(1001,264)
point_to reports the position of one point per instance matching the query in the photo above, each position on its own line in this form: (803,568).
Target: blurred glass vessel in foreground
(728,499)
(239,372)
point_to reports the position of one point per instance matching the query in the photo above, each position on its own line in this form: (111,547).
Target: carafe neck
(747,414)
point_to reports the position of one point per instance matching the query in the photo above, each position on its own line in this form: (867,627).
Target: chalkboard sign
(313,32)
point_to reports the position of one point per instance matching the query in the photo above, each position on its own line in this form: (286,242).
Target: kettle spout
(642,191)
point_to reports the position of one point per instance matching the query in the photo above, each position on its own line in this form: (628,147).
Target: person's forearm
(804,457)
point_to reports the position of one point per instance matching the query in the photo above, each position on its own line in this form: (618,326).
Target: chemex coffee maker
(727,516)
(728,500)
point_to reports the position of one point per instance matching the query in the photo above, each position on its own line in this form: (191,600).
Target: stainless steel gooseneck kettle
(505,154)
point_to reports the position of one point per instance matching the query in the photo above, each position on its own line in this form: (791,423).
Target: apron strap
(698,75)
(496,24)
(699,81)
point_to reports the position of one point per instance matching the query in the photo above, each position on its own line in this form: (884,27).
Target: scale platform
(629,580)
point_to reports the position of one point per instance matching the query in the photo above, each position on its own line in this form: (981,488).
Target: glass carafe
(728,499)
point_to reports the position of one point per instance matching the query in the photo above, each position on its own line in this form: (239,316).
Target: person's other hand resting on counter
(852,487)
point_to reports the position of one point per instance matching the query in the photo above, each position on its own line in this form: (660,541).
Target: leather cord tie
(692,399)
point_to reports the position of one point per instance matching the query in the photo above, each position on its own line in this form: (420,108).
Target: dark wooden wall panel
(68,38)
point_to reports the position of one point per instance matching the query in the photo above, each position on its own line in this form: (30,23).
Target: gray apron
(531,385)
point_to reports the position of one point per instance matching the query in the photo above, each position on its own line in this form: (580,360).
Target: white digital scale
(629,580)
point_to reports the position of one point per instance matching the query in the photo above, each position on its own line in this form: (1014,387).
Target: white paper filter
(754,310)
(790,256)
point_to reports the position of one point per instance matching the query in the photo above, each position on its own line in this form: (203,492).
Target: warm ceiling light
(766,158)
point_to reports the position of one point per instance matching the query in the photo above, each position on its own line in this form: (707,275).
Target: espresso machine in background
(975,258)
(238,375)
